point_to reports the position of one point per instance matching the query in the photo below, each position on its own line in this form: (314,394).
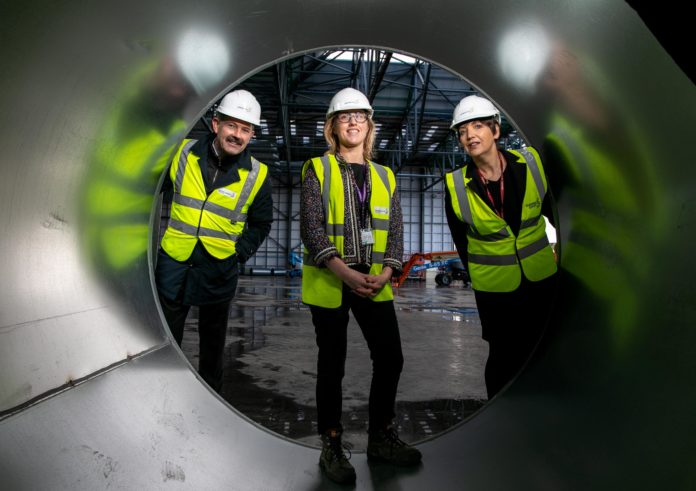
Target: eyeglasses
(360,117)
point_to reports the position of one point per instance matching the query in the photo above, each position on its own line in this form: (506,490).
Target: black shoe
(385,446)
(333,461)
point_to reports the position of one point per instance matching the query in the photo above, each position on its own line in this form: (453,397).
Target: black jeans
(212,331)
(379,326)
(512,323)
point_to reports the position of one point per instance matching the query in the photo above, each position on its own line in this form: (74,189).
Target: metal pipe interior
(93,393)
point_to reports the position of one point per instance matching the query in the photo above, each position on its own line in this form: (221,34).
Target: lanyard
(362,193)
(498,212)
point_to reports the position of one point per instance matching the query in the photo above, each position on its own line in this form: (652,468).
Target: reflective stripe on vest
(320,286)
(216,219)
(497,258)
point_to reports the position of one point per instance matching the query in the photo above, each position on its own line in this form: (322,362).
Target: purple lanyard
(362,193)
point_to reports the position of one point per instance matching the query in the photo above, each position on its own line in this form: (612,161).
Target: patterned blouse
(312,222)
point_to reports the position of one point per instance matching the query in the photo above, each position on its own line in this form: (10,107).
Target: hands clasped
(365,285)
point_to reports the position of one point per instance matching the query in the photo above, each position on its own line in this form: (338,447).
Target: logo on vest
(381,210)
(534,204)
(226,192)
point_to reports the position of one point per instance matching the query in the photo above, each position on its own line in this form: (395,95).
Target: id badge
(366,237)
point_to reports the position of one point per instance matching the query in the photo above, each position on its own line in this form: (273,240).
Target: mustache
(235,140)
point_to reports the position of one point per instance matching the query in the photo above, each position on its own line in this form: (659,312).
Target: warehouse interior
(95,395)
(413,102)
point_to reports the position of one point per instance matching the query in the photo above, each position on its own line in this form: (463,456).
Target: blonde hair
(334,145)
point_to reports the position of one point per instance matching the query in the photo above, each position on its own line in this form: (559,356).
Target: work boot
(385,446)
(333,461)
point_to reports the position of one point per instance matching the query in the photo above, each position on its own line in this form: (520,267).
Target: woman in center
(352,230)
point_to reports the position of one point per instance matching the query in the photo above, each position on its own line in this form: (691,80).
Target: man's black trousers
(212,331)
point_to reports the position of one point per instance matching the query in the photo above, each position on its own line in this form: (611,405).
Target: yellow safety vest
(218,219)
(320,286)
(119,195)
(605,254)
(496,257)
(129,154)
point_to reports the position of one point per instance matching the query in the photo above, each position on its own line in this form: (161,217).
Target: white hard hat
(348,99)
(241,104)
(473,107)
(203,59)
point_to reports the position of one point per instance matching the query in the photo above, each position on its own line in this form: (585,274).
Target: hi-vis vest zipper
(320,286)
(496,257)
(218,219)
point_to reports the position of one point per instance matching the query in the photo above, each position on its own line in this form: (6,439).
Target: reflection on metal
(523,54)
(92,102)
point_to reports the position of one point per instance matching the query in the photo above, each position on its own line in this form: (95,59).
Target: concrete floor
(270,362)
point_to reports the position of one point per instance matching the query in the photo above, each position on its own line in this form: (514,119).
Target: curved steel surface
(94,396)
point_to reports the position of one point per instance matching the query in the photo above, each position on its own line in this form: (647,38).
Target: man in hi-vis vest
(221,212)
(494,209)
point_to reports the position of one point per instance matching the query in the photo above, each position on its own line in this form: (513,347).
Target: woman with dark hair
(495,210)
